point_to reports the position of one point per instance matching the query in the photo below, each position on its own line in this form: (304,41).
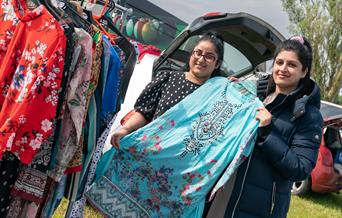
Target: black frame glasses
(198,53)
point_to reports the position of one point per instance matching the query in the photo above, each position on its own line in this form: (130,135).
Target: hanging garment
(89,144)
(8,22)
(9,169)
(90,134)
(111,89)
(105,59)
(29,188)
(70,136)
(105,98)
(21,208)
(166,168)
(105,104)
(136,48)
(55,196)
(31,183)
(75,164)
(30,79)
(77,208)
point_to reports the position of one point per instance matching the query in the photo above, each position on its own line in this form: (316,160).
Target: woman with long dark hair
(289,135)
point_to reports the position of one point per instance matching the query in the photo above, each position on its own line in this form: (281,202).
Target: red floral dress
(8,22)
(30,80)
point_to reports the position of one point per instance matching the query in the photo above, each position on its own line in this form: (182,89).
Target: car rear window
(234,62)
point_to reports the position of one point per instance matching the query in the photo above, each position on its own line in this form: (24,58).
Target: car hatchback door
(248,42)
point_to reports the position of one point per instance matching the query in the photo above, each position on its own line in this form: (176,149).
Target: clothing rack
(70,16)
(131,58)
(124,11)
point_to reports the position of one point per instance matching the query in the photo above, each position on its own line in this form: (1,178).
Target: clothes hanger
(122,42)
(77,18)
(129,63)
(56,13)
(96,19)
(67,13)
(63,10)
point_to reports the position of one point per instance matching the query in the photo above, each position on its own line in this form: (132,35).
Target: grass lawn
(315,205)
(309,206)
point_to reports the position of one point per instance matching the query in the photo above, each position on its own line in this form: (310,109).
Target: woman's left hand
(264,116)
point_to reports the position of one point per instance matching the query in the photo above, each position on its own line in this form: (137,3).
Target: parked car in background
(324,177)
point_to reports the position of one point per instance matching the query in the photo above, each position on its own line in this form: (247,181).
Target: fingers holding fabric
(115,139)
(264,116)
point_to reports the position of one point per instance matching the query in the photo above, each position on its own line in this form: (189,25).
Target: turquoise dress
(166,168)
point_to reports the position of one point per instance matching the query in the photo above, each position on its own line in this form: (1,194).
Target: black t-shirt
(163,92)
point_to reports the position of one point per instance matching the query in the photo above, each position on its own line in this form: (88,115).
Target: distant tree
(339,100)
(321,22)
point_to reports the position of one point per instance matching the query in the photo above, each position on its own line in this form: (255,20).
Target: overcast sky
(269,10)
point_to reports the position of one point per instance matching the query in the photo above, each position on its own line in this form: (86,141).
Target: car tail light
(326,156)
(214,15)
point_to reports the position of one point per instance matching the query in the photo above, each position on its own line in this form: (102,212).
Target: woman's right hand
(233,79)
(264,116)
(115,140)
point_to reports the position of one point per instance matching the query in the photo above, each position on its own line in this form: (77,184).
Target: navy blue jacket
(286,153)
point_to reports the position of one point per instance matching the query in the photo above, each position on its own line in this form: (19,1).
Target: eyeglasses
(208,57)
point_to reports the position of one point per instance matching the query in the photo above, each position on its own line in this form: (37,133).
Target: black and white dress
(163,92)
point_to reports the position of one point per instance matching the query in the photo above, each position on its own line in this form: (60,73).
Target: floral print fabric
(30,79)
(30,187)
(8,20)
(88,90)
(166,168)
(76,94)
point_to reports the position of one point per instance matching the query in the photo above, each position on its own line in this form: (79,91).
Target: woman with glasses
(169,88)
(184,147)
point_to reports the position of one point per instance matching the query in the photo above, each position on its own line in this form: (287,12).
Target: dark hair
(301,46)
(217,40)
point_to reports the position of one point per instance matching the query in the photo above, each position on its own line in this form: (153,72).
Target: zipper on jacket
(242,185)
(276,106)
(274,190)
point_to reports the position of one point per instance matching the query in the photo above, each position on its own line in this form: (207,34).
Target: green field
(315,205)
(309,206)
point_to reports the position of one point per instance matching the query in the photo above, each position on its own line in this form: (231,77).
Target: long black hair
(217,40)
(301,46)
